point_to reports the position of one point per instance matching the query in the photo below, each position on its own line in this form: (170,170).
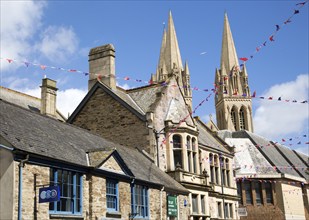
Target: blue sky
(61,33)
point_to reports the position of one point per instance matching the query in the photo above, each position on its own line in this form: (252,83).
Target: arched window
(233,117)
(189,154)
(177,150)
(194,152)
(212,168)
(216,164)
(242,122)
(223,171)
(228,173)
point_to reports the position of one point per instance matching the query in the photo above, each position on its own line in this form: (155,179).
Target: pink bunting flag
(43,67)
(9,60)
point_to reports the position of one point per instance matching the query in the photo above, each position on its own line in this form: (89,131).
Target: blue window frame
(139,201)
(112,195)
(70,192)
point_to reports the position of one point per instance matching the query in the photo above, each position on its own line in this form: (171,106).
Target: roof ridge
(15,91)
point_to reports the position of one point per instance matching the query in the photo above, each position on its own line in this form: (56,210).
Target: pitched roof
(146,96)
(38,134)
(24,100)
(279,156)
(206,138)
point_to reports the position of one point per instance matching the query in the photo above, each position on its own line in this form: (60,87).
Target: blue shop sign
(49,194)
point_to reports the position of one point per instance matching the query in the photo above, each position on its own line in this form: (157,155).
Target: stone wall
(31,208)
(105,116)
(265,210)
(94,197)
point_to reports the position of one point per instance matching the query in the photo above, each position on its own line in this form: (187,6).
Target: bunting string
(278,27)
(126,78)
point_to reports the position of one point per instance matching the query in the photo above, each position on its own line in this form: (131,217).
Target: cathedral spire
(172,53)
(233,101)
(228,52)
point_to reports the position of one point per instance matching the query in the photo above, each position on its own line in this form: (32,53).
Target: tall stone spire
(233,100)
(228,52)
(170,63)
(172,53)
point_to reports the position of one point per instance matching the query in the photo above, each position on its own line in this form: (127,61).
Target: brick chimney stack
(102,64)
(48,97)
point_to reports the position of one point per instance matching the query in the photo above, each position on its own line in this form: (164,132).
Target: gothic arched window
(242,122)
(233,117)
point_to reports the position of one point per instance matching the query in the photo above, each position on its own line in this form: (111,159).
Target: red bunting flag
(43,67)
(126,78)
(243,59)
(271,38)
(9,60)
(270,98)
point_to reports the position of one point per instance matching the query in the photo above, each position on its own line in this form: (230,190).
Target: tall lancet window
(177,150)
(233,118)
(242,123)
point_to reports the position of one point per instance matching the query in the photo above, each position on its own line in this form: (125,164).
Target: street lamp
(157,135)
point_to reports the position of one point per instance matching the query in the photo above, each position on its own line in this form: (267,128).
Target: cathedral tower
(233,100)
(170,63)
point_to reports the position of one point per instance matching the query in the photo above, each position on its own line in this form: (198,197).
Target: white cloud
(277,119)
(19,22)
(23,35)
(68,100)
(58,43)
(124,86)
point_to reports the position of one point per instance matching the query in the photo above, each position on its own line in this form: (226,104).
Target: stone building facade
(158,119)
(97,179)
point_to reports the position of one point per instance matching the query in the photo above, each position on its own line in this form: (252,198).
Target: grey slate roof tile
(207,139)
(35,133)
(269,151)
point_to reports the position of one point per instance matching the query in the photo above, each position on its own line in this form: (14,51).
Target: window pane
(226,211)
(176,141)
(219,209)
(203,204)
(69,202)
(269,193)
(194,163)
(258,192)
(194,203)
(231,210)
(239,192)
(247,186)
(177,158)
(140,202)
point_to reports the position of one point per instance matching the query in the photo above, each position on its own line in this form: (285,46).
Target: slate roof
(207,139)
(279,156)
(24,100)
(35,133)
(145,96)
(294,160)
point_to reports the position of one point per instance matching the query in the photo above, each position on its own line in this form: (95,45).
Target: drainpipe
(20,185)
(161,192)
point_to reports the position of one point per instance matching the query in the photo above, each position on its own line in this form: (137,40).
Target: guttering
(20,185)
(6,147)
